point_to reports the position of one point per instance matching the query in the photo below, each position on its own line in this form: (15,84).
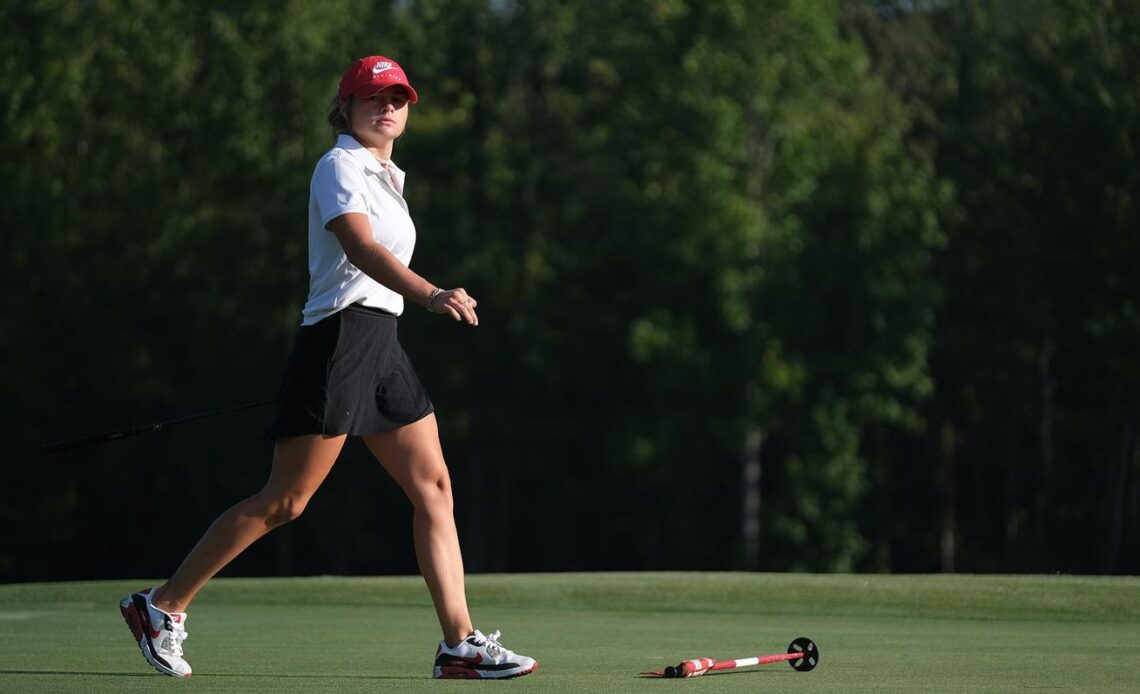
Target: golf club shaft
(127,432)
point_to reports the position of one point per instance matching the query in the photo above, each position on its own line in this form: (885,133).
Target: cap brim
(371,90)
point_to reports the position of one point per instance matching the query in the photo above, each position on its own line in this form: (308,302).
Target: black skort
(348,374)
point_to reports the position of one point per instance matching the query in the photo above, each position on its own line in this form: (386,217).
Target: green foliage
(838,228)
(1032,116)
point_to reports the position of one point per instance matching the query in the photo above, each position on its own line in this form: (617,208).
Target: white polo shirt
(348,178)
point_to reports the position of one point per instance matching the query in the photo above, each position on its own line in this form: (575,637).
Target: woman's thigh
(412,455)
(301,464)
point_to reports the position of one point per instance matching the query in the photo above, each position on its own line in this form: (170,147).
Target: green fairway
(595,632)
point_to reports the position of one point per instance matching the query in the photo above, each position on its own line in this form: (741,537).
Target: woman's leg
(412,455)
(300,464)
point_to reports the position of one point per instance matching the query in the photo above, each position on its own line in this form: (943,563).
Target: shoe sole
(135,623)
(462,673)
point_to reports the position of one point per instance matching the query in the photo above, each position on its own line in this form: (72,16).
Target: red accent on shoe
(524,672)
(131,615)
(458,673)
(144,618)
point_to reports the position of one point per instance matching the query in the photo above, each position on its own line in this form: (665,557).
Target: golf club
(84,441)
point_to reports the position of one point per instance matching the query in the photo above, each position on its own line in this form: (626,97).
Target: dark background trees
(763,285)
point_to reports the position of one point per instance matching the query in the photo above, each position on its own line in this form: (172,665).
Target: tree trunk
(750,528)
(1045,434)
(949,498)
(1118,491)
(1012,506)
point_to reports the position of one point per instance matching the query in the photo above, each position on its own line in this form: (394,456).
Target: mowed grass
(596,632)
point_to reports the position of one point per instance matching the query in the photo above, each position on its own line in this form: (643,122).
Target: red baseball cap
(370,75)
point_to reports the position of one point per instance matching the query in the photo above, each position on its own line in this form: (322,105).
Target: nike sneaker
(159,634)
(480,657)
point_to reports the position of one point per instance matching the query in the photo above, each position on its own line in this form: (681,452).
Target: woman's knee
(280,509)
(432,491)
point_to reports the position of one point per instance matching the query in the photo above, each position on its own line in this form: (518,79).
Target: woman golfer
(348,376)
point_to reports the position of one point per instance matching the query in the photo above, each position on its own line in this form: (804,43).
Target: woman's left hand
(458,303)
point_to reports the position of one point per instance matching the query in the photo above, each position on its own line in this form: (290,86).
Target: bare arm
(354,233)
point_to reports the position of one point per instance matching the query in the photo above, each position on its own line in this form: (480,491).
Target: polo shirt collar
(365,158)
(368,160)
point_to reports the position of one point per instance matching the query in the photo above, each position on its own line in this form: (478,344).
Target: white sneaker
(159,634)
(480,657)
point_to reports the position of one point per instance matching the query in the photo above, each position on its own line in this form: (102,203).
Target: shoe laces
(172,642)
(491,642)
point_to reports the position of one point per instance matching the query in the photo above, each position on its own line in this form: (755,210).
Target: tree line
(846,285)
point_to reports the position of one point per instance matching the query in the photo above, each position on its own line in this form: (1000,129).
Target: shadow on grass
(260,675)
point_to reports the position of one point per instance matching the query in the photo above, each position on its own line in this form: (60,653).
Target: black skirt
(348,374)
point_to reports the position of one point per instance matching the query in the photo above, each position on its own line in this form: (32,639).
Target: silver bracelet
(431,299)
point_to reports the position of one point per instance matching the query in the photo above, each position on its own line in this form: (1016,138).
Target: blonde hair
(339,115)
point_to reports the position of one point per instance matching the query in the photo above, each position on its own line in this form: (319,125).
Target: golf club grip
(60,446)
